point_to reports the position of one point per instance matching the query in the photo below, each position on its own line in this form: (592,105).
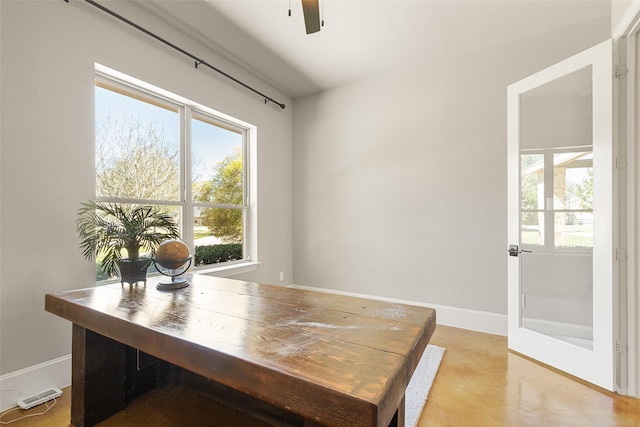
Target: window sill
(224,271)
(228,270)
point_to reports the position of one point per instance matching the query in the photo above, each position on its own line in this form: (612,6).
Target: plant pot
(133,271)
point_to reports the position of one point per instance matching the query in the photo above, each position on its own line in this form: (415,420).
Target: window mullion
(186,179)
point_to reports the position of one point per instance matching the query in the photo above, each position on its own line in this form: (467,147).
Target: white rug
(420,384)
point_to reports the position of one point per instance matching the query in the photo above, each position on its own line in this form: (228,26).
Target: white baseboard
(34,379)
(475,320)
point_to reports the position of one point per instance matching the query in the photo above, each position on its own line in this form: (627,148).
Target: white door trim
(630,21)
(625,37)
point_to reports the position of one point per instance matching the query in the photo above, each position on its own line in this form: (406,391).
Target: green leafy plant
(105,229)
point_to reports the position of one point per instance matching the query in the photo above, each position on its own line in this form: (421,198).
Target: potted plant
(106,229)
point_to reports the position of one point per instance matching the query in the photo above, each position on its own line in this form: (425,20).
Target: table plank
(327,357)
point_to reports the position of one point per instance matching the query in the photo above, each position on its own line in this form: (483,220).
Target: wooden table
(290,356)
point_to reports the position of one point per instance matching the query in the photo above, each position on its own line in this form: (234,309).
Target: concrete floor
(479,383)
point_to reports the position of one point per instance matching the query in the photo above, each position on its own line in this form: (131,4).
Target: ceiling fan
(311,11)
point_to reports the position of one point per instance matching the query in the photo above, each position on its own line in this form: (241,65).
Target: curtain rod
(198,61)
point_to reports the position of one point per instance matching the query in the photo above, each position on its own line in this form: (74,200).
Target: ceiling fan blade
(311,11)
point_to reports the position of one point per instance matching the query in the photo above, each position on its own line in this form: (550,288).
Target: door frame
(627,100)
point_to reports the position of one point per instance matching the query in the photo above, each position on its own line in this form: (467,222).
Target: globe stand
(169,269)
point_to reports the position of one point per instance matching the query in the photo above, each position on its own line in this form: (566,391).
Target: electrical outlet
(282,276)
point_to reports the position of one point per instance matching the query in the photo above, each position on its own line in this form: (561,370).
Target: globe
(172,254)
(172,259)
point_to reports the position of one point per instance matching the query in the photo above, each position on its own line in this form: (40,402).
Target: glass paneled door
(560,232)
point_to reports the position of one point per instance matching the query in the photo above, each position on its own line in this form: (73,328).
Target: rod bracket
(282,106)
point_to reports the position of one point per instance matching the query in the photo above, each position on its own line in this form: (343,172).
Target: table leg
(98,377)
(398,418)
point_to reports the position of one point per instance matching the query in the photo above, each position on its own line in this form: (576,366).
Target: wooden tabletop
(335,359)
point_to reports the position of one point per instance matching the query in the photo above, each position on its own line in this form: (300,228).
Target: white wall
(48,53)
(400,181)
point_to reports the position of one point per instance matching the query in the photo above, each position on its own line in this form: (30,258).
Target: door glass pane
(573,200)
(532,200)
(532,230)
(573,180)
(556,194)
(574,231)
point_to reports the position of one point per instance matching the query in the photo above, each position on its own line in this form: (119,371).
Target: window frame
(187,110)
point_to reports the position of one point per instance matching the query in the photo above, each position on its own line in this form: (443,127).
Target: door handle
(514,251)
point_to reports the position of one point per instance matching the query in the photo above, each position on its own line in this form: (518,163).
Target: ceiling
(361,38)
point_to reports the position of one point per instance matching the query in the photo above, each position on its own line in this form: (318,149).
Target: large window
(155,149)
